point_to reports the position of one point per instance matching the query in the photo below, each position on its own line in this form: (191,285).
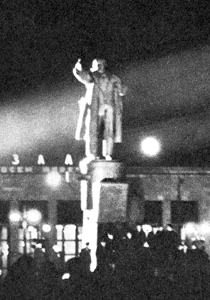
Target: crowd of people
(132,263)
(155,263)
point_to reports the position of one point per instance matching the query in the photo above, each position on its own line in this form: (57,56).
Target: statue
(101,109)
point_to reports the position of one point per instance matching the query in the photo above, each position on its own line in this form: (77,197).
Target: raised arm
(81,75)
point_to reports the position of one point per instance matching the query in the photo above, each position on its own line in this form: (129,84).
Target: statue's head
(98,65)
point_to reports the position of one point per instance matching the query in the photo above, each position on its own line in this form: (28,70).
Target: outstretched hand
(78,65)
(124,90)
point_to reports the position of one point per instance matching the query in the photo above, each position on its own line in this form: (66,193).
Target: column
(166,217)
(52,213)
(14,235)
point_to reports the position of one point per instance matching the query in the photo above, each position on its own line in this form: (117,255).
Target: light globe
(53,179)
(150,146)
(14,216)
(46,228)
(33,216)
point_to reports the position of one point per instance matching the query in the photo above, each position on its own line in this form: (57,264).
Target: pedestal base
(106,198)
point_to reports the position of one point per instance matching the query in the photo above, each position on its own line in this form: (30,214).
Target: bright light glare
(205,228)
(150,146)
(83,166)
(33,216)
(146,245)
(66,276)
(31,229)
(54,179)
(189,228)
(46,228)
(55,248)
(14,216)
(147,228)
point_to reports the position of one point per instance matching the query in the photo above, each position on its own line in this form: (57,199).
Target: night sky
(159,48)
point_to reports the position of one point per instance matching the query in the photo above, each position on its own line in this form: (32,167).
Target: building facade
(29,189)
(160,196)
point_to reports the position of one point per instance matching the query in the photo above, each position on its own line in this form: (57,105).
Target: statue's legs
(90,142)
(102,122)
(92,146)
(87,134)
(109,130)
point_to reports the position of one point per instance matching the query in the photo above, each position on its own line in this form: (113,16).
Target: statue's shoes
(89,158)
(108,157)
(83,164)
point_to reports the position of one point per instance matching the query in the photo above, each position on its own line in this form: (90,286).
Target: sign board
(35,169)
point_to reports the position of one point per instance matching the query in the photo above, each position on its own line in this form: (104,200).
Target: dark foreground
(127,269)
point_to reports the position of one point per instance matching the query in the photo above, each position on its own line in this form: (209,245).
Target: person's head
(193,247)
(155,229)
(110,235)
(146,228)
(103,243)
(169,227)
(138,227)
(39,257)
(160,228)
(74,266)
(129,235)
(24,262)
(98,65)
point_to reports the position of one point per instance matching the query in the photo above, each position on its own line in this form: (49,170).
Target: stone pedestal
(51,237)
(103,199)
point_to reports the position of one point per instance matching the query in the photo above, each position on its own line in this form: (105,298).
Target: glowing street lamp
(46,228)
(14,216)
(53,179)
(150,146)
(32,217)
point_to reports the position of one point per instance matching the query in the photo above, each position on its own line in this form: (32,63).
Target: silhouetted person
(85,258)
(111,247)
(172,238)
(16,282)
(43,278)
(79,286)
(101,254)
(140,237)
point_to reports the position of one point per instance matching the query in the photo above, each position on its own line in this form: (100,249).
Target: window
(69,240)
(4,249)
(30,236)
(184,212)
(69,228)
(4,236)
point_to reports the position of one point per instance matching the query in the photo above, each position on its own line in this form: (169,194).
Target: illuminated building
(52,192)
(155,196)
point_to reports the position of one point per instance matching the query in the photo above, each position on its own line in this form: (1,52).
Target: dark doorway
(153,212)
